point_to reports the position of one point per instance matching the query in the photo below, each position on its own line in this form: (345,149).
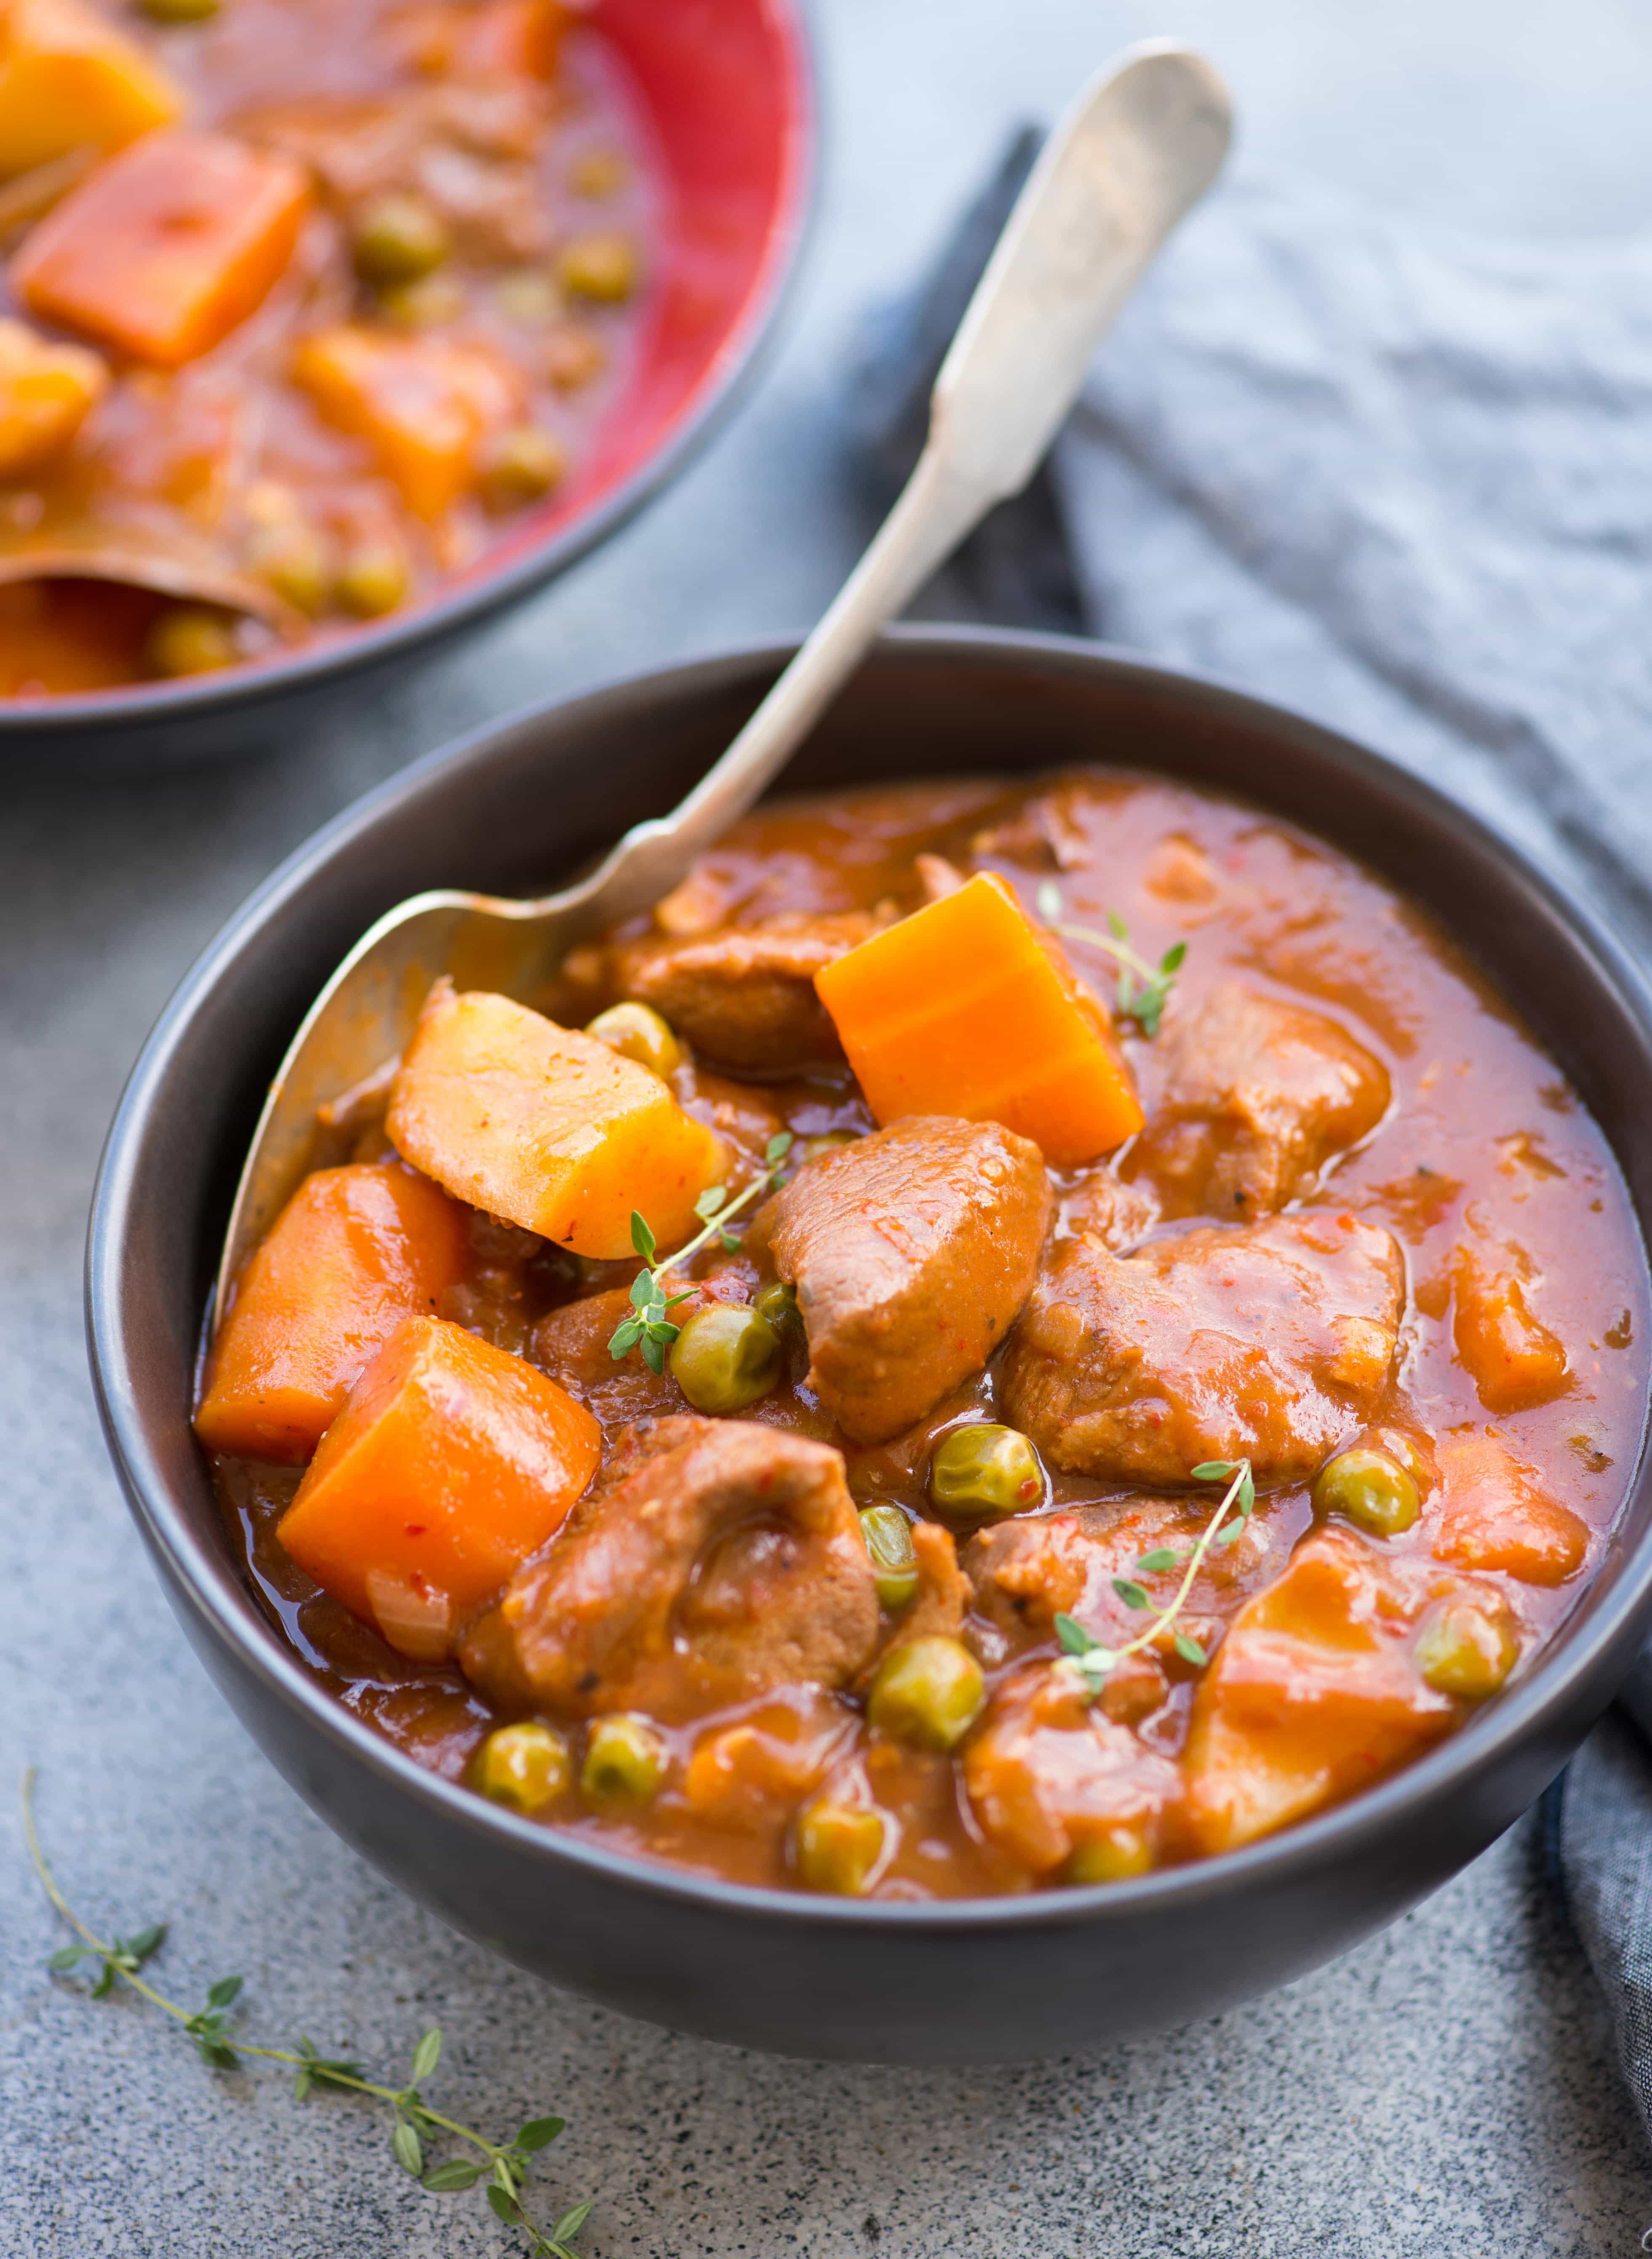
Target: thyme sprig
(503,2165)
(1143,989)
(650,1323)
(1091,1662)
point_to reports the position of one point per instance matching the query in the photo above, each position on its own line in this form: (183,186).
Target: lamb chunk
(1047,1773)
(912,1251)
(1268,1341)
(1258,1096)
(1103,1207)
(716,1560)
(571,1345)
(745,995)
(1027,1569)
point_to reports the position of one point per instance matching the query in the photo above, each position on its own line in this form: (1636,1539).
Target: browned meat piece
(1027,1569)
(1258,1096)
(1103,1207)
(714,1560)
(941,1599)
(745,995)
(572,1345)
(1268,1341)
(1049,1775)
(912,1251)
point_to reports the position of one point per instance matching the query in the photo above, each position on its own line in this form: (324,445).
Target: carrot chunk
(966,1008)
(165,249)
(451,1462)
(1511,1356)
(546,1127)
(353,1252)
(1496,1516)
(423,405)
(70,80)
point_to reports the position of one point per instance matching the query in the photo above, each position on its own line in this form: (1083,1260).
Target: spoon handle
(1141,145)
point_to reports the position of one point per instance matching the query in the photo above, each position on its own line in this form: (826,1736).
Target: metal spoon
(1140,145)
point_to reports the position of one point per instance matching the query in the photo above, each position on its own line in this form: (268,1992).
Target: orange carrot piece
(353,1252)
(423,405)
(547,1127)
(1496,1516)
(164,249)
(967,1008)
(450,1464)
(1513,1359)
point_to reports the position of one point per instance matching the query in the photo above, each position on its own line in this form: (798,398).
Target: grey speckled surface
(1444,2089)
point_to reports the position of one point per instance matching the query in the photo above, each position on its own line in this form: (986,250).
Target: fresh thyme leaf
(1074,1639)
(1117,926)
(1131,1592)
(1215,1470)
(643,1290)
(120,1961)
(457,2173)
(1174,958)
(709,1202)
(1162,1556)
(1247,1493)
(625,1337)
(539,2133)
(653,1352)
(1235,1529)
(642,1237)
(1190,1650)
(778,1147)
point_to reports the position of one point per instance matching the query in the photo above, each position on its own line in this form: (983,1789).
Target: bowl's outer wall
(1014,1978)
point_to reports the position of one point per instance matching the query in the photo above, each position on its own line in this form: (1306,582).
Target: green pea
(601,266)
(837,1847)
(295,558)
(1112,1856)
(888,1537)
(190,639)
(725,1358)
(1369,1488)
(830,1141)
(398,238)
(777,1305)
(928,1692)
(637,1031)
(525,1766)
(1467,1652)
(518,466)
(983,1472)
(372,579)
(624,1760)
(430,303)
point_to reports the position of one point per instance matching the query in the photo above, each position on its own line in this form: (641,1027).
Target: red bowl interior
(725,86)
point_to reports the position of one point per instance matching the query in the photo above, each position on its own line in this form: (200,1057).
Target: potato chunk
(69,80)
(422,403)
(353,1252)
(163,250)
(451,1462)
(1513,1359)
(546,1127)
(46,392)
(1315,1693)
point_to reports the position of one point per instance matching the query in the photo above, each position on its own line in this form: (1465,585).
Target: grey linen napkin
(1401,480)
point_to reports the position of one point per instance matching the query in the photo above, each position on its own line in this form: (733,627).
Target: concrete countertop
(1447,2087)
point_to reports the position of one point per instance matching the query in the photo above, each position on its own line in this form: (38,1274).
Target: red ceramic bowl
(727,95)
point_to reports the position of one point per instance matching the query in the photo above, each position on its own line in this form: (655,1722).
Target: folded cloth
(1399,479)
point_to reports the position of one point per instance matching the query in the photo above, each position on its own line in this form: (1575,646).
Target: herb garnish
(1143,989)
(504,2164)
(1088,1658)
(649,1322)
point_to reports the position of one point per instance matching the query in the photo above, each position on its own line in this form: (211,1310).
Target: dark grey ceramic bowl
(1004,1978)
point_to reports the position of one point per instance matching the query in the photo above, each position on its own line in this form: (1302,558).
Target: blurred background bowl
(726,89)
(1047,1973)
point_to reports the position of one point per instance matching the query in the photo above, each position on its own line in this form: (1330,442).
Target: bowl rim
(1562,1674)
(739,362)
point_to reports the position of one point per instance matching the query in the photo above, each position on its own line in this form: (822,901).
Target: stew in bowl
(1006,1337)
